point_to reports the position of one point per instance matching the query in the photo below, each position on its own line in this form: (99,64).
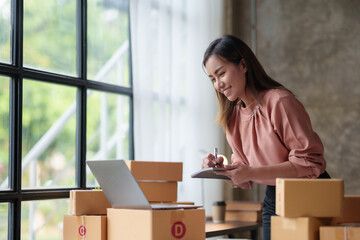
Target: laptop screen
(118,184)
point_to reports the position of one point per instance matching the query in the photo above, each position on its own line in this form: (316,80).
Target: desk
(231,227)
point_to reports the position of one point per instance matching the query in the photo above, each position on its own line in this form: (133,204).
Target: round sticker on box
(178,230)
(82,230)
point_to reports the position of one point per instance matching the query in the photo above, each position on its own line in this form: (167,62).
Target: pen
(215,154)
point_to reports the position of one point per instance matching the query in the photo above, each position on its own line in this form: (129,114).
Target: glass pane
(107,129)
(5,31)
(4,132)
(42,220)
(50,35)
(4,211)
(108,46)
(49,135)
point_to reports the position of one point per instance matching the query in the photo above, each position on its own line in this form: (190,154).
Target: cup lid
(219,203)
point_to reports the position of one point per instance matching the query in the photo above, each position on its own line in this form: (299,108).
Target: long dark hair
(234,50)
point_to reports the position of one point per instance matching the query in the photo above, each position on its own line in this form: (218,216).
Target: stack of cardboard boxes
(312,209)
(346,227)
(88,216)
(158,181)
(303,205)
(307,209)
(243,211)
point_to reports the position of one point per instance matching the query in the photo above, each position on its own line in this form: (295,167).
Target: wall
(313,48)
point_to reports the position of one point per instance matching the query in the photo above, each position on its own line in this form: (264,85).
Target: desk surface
(230,227)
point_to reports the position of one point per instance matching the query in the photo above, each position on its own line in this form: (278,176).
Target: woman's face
(227,78)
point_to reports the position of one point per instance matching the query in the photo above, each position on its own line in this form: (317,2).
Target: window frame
(16,72)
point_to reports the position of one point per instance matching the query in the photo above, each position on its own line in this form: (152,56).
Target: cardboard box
(156,224)
(303,228)
(156,171)
(343,232)
(309,197)
(243,205)
(88,202)
(159,191)
(84,227)
(244,216)
(351,210)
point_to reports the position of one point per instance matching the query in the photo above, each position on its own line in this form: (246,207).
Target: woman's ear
(243,65)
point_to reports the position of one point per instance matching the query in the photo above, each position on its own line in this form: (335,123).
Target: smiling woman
(228,78)
(267,128)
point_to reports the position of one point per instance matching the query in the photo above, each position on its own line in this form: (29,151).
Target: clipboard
(209,173)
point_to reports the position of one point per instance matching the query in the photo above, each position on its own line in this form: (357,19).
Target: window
(107,128)
(4,209)
(50,36)
(48,135)
(65,97)
(108,31)
(4,132)
(41,219)
(5,29)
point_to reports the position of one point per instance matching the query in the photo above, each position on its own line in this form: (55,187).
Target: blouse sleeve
(236,159)
(293,126)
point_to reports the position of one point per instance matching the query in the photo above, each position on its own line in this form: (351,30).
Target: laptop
(121,188)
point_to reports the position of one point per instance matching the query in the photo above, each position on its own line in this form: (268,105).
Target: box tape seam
(347,229)
(83,223)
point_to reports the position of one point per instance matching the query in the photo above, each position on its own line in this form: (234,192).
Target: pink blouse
(275,131)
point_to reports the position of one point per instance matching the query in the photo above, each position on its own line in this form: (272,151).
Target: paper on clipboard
(209,173)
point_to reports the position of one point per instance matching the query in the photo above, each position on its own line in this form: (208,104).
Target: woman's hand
(239,175)
(210,161)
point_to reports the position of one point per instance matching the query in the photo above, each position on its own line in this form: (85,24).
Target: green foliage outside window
(5,9)
(50,35)
(4,128)
(43,105)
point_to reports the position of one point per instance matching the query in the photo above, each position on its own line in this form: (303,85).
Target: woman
(268,129)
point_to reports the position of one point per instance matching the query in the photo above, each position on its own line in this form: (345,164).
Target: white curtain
(174,103)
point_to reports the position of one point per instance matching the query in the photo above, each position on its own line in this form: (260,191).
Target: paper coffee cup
(218,211)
